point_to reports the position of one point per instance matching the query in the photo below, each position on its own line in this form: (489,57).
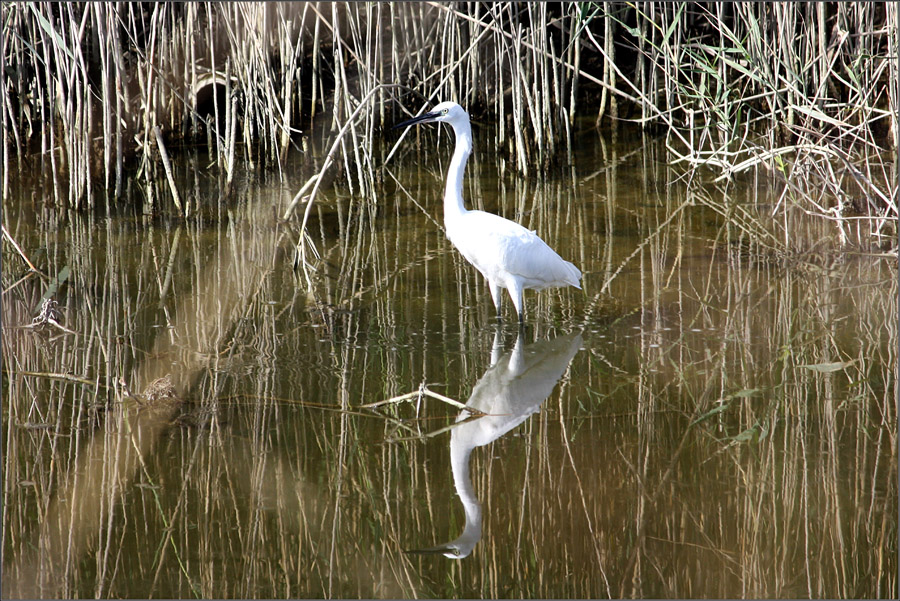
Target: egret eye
(445,111)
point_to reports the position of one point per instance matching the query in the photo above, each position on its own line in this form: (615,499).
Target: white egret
(507,254)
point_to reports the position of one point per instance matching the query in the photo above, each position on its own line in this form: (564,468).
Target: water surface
(713,417)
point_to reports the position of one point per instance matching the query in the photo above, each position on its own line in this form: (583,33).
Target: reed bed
(793,90)
(806,94)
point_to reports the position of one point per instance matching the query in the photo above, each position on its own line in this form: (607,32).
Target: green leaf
(48,28)
(675,22)
(747,434)
(815,113)
(747,392)
(714,411)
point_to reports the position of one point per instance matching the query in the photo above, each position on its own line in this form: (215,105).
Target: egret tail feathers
(574,275)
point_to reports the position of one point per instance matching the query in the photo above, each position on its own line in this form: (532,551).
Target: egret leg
(515,293)
(495,295)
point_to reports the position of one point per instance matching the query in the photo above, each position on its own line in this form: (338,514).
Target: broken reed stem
(299,196)
(423,390)
(19,250)
(329,159)
(167,165)
(57,376)
(393,400)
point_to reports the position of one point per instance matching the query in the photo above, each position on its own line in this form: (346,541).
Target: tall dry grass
(789,89)
(805,94)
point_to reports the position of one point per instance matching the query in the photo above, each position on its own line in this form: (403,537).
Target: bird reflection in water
(510,391)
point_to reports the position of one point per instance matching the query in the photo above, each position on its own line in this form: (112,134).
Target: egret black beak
(420,119)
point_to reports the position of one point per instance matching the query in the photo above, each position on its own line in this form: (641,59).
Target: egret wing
(499,247)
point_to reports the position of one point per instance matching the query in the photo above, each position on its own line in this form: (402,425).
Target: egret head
(446,112)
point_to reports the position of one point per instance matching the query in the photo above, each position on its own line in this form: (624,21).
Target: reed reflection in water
(727,430)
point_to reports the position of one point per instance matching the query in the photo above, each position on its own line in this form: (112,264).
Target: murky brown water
(718,421)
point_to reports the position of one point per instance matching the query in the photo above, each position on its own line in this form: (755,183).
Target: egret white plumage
(508,255)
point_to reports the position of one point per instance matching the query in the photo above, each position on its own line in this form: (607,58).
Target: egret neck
(453,199)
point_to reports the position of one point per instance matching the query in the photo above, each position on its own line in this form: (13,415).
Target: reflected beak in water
(451,551)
